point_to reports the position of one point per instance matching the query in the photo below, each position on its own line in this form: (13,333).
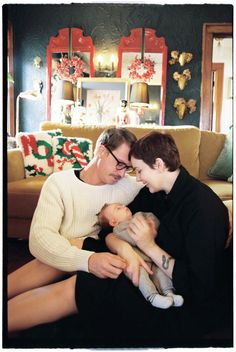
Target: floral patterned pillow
(71,152)
(37,151)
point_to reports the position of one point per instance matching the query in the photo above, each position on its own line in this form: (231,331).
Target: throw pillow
(71,152)
(223,167)
(37,151)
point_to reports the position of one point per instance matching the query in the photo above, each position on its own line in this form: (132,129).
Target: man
(65,215)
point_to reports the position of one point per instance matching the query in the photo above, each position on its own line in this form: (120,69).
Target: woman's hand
(143,232)
(230,233)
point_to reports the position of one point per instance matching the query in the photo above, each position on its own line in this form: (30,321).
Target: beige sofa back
(187,138)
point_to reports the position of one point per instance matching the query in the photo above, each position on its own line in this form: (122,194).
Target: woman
(189,248)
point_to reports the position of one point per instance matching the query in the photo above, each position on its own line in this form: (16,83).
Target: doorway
(210,31)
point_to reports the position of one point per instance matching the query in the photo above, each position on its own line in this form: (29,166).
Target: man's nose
(121,173)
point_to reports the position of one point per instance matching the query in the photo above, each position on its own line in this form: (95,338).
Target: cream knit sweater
(67,209)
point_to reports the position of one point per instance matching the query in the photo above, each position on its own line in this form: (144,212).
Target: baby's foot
(159,301)
(177,299)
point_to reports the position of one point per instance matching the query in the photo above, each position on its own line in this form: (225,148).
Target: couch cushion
(223,167)
(223,189)
(187,139)
(37,152)
(210,147)
(23,196)
(71,152)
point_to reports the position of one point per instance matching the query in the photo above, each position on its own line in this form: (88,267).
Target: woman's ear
(113,222)
(159,164)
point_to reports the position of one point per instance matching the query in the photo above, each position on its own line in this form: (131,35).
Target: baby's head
(113,214)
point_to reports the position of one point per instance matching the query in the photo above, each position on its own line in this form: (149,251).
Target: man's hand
(106,265)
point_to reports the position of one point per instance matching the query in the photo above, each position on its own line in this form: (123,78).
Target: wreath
(70,69)
(142,70)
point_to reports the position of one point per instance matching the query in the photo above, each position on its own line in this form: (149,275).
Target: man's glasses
(120,165)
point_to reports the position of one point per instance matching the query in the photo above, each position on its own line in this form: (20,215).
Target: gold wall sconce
(182,78)
(37,62)
(182,58)
(106,66)
(182,106)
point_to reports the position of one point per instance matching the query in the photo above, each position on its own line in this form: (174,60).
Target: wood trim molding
(218,68)
(210,30)
(10,95)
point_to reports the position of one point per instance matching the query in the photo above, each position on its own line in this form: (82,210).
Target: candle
(112,62)
(100,59)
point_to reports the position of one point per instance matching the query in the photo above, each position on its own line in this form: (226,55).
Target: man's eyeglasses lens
(120,165)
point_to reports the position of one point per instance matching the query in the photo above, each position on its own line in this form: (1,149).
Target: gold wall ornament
(37,62)
(182,78)
(182,106)
(182,58)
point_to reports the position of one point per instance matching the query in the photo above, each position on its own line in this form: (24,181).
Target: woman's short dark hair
(115,136)
(157,145)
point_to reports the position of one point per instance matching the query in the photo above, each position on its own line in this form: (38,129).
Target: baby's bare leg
(42,305)
(31,275)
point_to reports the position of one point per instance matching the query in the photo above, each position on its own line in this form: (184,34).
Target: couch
(198,152)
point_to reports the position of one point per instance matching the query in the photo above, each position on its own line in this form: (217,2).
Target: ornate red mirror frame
(60,44)
(152,44)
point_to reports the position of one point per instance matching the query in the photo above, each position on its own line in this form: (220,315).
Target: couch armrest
(15,165)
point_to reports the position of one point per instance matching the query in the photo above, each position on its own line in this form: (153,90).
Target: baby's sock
(177,299)
(159,301)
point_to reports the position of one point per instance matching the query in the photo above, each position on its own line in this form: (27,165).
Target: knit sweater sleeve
(45,241)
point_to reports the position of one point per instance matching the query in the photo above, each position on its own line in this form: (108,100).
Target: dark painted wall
(181,25)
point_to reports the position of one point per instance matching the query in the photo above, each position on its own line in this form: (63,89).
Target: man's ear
(100,150)
(159,164)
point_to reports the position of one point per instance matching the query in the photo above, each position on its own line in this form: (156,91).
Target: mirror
(69,54)
(102,97)
(143,57)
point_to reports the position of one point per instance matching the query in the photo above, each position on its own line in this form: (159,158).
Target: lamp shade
(29,95)
(64,91)
(139,94)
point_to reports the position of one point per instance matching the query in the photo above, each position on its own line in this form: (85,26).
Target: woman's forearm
(161,258)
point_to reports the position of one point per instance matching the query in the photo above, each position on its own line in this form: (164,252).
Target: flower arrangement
(142,70)
(70,69)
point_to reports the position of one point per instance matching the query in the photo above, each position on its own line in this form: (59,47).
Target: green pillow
(223,167)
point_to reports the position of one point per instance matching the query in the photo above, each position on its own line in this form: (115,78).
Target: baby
(118,216)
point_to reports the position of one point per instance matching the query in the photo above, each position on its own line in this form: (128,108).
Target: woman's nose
(138,177)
